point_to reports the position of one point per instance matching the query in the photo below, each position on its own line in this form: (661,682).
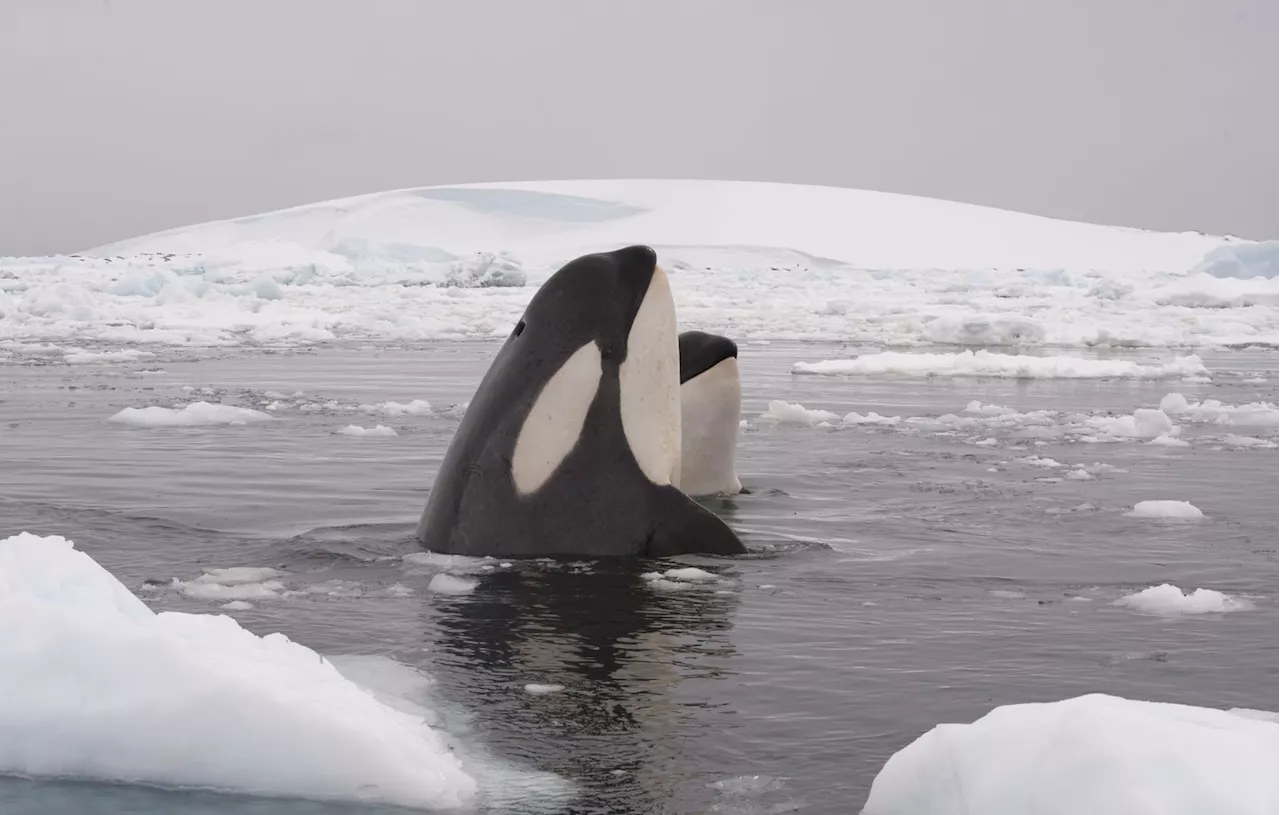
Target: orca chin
(573,442)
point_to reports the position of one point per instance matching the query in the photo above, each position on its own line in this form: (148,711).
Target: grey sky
(121,117)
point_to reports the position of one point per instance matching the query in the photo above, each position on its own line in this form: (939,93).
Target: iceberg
(1095,754)
(96,685)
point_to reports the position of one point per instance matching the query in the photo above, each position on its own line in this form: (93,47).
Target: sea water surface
(900,578)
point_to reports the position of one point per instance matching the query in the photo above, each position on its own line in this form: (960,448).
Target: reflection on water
(899,579)
(615,646)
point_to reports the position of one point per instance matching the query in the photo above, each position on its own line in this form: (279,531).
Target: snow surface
(1168,599)
(197,413)
(993,364)
(1183,510)
(82,660)
(753,260)
(1096,754)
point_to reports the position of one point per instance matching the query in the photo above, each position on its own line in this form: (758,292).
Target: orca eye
(519,329)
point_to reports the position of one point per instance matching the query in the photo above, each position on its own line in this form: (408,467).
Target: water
(899,584)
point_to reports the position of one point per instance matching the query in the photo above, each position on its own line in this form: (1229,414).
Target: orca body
(711,409)
(571,445)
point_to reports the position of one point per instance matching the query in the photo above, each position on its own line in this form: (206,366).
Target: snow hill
(756,261)
(555,219)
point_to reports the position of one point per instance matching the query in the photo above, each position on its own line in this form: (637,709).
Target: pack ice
(94,684)
(757,260)
(1095,754)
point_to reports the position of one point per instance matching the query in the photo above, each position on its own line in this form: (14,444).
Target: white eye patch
(650,385)
(555,422)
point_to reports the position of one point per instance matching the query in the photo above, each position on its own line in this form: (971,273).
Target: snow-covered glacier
(754,260)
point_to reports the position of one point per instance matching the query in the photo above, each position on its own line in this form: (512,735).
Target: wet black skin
(700,352)
(598,502)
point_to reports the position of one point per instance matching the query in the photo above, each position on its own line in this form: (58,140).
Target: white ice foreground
(1095,754)
(94,684)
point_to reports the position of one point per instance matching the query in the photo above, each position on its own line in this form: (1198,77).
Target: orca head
(592,298)
(700,352)
(605,314)
(711,407)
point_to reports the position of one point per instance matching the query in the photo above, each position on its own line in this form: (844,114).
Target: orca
(571,445)
(711,409)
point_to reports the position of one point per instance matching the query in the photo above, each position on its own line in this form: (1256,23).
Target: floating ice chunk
(235,583)
(1165,440)
(1249,441)
(1143,424)
(1211,411)
(678,579)
(237,591)
(791,413)
(1174,404)
(451,584)
(988,364)
(237,575)
(984,329)
(1165,509)
(442,562)
(195,414)
(540,690)
(1148,422)
(1169,599)
(237,605)
(690,573)
(663,584)
(1099,754)
(75,356)
(376,430)
(418,407)
(1038,461)
(97,685)
(872,418)
(979,409)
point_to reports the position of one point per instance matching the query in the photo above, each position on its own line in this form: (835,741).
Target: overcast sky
(122,117)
